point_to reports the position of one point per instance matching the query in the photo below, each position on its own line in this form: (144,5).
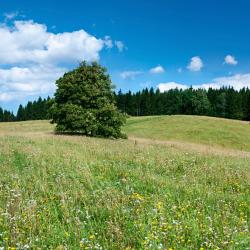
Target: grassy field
(73,192)
(197,129)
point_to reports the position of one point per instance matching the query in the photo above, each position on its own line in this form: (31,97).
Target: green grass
(72,192)
(197,129)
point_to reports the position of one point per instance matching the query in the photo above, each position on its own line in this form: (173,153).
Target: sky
(143,43)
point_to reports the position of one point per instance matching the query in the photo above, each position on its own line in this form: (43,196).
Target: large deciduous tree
(84,103)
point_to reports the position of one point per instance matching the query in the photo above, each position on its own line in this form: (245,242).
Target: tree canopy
(224,102)
(85,103)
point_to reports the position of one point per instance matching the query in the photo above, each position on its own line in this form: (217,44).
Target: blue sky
(164,43)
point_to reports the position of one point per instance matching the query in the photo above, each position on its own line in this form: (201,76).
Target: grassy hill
(197,129)
(73,192)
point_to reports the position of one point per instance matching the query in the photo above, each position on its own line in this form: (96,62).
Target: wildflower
(91,237)
(159,205)
(137,196)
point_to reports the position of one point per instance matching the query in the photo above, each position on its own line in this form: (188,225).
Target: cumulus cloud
(31,57)
(120,45)
(19,82)
(230,60)
(157,70)
(237,81)
(130,74)
(170,85)
(30,42)
(195,64)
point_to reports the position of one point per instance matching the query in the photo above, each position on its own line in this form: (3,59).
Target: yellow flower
(159,205)
(92,237)
(137,196)
(201,248)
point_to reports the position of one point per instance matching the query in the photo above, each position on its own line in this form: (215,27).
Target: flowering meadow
(74,192)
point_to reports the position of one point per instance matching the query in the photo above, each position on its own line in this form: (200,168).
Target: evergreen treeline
(36,110)
(6,116)
(225,102)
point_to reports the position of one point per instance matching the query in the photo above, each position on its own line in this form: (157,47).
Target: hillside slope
(196,129)
(74,192)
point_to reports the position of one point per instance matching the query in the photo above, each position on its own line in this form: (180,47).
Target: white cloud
(5,97)
(195,64)
(108,42)
(30,42)
(237,81)
(212,85)
(130,74)
(32,57)
(179,70)
(157,70)
(19,82)
(120,45)
(230,60)
(170,85)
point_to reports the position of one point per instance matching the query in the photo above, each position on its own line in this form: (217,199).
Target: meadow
(218,132)
(178,182)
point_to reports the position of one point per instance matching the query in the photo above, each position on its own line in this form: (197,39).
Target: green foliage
(36,110)
(6,116)
(84,103)
(224,102)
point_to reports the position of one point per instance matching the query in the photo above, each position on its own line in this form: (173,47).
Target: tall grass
(69,192)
